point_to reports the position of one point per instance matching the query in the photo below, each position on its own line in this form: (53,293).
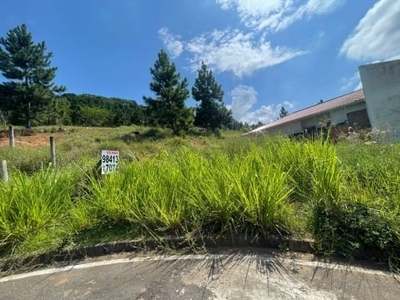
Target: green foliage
(211,113)
(168,108)
(27,66)
(374,167)
(93,116)
(58,112)
(120,112)
(363,216)
(351,228)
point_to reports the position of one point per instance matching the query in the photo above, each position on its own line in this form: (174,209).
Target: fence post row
(53,152)
(3,170)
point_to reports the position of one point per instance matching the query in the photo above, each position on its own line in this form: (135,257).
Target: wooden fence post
(11,136)
(53,152)
(3,170)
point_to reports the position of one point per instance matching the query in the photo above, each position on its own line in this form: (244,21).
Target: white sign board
(109,161)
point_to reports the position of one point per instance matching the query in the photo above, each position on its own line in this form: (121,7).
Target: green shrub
(353,227)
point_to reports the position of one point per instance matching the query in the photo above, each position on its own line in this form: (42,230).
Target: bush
(351,229)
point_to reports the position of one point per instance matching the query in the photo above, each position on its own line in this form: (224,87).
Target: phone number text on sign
(109,161)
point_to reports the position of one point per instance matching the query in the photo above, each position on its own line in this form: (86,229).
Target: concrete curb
(237,242)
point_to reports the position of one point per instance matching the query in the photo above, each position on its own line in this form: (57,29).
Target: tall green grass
(189,191)
(367,218)
(346,196)
(33,210)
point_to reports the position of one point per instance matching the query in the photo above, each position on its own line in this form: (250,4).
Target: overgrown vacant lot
(345,196)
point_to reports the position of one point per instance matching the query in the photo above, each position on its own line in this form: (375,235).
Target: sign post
(109,161)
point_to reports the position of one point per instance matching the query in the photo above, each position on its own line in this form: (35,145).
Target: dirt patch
(29,141)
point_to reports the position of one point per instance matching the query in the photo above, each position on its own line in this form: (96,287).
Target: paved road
(234,276)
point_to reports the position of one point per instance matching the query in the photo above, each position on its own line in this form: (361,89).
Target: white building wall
(315,120)
(289,128)
(339,115)
(309,122)
(381,83)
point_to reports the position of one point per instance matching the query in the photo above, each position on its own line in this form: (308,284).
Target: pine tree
(168,108)
(27,66)
(211,113)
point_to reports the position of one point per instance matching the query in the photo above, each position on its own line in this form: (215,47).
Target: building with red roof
(349,109)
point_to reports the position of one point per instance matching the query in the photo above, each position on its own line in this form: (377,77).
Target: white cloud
(244,98)
(358,86)
(237,52)
(241,52)
(377,35)
(352,83)
(277,15)
(172,43)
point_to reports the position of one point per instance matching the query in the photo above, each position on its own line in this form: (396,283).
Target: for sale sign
(109,161)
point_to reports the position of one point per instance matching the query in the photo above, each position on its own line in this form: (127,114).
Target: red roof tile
(317,109)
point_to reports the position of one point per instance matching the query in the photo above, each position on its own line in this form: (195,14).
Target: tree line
(30,97)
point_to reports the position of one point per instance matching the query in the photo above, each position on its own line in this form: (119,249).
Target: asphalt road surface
(218,276)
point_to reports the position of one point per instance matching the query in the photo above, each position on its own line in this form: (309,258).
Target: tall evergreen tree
(168,108)
(27,66)
(211,113)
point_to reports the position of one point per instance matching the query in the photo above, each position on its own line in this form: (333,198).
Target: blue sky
(265,53)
